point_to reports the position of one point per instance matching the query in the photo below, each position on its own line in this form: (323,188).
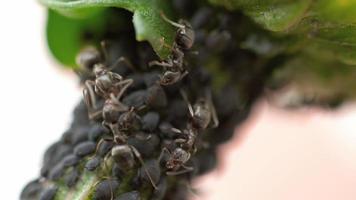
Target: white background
(37,97)
(309,154)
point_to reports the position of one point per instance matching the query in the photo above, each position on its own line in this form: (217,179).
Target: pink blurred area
(305,154)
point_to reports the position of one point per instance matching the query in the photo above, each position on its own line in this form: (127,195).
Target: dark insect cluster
(143,133)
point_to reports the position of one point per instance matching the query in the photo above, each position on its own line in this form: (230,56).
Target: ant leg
(185,170)
(164,150)
(119,138)
(104,47)
(183,75)
(94,114)
(124,60)
(119,107)
(111,189)
(126,83)
(212,108)
(185,97)
(138,155)
(89,94)
(175,130)
(161,64)
(171,22)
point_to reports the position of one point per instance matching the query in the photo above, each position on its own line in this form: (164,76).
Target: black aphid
(56,172)
(153,168)
(49,193)
(156,97)
(105,190)
(70,160)
(72,177)
(93,163)
(84,148)
(150,121)
(104,148)
(133,195)
(161,189)
(124,156)
(31,190)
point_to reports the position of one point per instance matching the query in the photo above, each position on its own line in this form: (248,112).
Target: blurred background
(276,154)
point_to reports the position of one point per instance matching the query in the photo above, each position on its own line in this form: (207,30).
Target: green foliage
(326,24)
(65,30)
(65,36)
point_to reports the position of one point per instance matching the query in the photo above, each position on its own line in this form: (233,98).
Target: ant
(181,154)
(201,114)
(173,66)
(108,85)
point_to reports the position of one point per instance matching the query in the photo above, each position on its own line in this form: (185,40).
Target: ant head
(99,69)
(185,36)
(88,57)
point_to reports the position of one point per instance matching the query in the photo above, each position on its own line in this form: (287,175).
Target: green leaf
(328,25)
(79,14)
(275,15)
(65,36)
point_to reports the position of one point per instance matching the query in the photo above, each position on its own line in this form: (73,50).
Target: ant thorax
(179,157)
(202,114)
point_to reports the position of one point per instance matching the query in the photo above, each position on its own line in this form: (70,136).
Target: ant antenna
(137,154)
(185,97)
(212,108)
(164,17)
(103,45)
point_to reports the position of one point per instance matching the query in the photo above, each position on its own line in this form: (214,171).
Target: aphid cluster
(145,134)
(119,118)
(173,68)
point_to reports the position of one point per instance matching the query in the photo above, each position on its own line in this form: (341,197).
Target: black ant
(173,67)
(181,154)
(108,85)
(203,112)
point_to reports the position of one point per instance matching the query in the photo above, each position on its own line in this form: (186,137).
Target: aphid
(133,195)
(48,193)
(153,168)
(124,155)
(70,160)
(93,163)
(31,190)
(161,189)
(96,132)
(106,189)
(104,148)
(56,172)
(72,178)
(144,143)
(203,112)
(156,97)
(150,121)
(136,98)
(84,148)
